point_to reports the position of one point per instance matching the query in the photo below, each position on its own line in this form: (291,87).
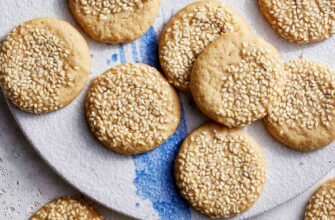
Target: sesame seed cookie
(220,171)
(321,205)
(67,208)
(302,21)
(44,65)
(115,21)
(237,79)
(304,117)
(132,108)
(190,31)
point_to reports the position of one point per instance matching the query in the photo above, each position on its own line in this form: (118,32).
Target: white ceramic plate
(143,186)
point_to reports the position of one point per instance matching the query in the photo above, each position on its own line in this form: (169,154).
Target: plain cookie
(220,171)
(303,21)
(237,79)
(189,32)
(132,109)
(67,208)
(304,118)
(44,65)
(321,205)
(115,21)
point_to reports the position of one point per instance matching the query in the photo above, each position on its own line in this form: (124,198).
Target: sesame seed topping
(220,171)
(301,21)
(67,208)
(132,108)
(188,34)
(308,98)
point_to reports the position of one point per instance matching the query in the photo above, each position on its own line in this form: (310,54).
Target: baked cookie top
(321,204)
(220,171)
(237,79)
(115,21)
(44,65)
(303,21)
(67,208)
(132,108)
(304,118)
(189,32)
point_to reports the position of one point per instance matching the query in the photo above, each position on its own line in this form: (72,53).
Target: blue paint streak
(122,54)
(154,170)
(114,57)
(134,52)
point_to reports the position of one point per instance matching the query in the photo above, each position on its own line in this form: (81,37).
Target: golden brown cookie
(189,32)
(237,79)
(44,65)
(220,171)
(302,21)
(321,205)
(67,208)
(132,108)
(304,118)
(115,21)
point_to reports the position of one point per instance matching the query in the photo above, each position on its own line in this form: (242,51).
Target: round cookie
(67,208)
(220,171)
(303,21)
(322,204)
(132,109)
(189,32)
(304,118)
(115,21)
(237,79)
(44,65)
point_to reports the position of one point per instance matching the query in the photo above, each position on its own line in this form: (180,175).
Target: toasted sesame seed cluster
(132,108)
(301,21)
(189,32)
(220,171)
(67,208)
(322,204)
(304,117)
(237,79)
(38,70)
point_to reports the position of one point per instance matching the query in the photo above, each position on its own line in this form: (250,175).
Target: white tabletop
(27,182)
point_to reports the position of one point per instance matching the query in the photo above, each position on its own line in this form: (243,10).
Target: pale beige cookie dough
(65,208)
(44,65)
(237,79)
(115,21)
(220,171)
(189,32)
(132,109)
(304,118)
(321,205)
(302,21)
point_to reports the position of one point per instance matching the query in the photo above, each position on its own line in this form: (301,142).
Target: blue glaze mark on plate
(154,170)
(122,54)
(114,57)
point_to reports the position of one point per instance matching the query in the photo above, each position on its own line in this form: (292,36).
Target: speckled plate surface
(143,186)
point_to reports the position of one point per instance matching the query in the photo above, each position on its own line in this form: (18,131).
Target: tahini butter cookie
(132,108)
(220,171)
(44,65)
(67,208)
(188,33)
(322,204)
(304,118)
(302,21)
(115,21)
(237,79)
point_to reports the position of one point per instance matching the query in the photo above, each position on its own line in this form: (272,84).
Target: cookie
(303,21)
(190,31)
(322,204)
(115,21)
(67,208)
(132,108)
(237,79)
(44,65)
(304,118)
(220,171)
